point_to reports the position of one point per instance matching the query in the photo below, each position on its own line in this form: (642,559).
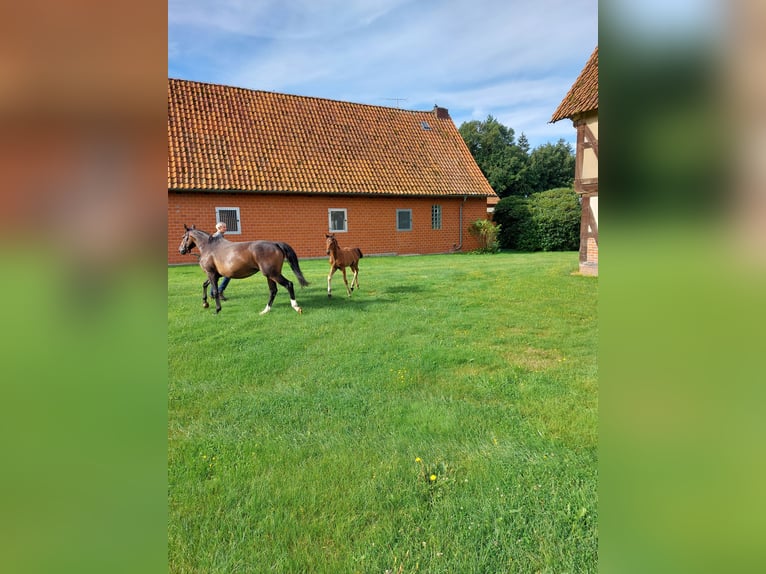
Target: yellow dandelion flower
(418,459)
(432,477)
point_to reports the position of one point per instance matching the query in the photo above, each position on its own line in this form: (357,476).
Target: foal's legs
(355,279)
(329,281)
(348,291)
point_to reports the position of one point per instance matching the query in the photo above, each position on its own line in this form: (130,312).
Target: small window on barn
(337,221)
(229,216)
(436,217)
(404,220)
(425,125)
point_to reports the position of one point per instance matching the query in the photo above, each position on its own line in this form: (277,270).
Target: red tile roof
(583,95)
(222,138)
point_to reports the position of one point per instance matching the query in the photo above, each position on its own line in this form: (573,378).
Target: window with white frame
(436,217)
(336,220)
(229,216)
(404,220)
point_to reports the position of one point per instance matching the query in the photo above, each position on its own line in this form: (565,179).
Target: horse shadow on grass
(360,299)
(315,298)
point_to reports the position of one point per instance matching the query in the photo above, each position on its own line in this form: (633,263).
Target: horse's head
(187,242)
(331,242)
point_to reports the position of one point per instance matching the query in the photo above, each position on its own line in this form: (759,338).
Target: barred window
(229,216)
(436,217)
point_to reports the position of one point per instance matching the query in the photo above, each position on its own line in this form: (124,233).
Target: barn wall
(302,221)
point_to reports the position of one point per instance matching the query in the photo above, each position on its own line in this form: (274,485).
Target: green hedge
(544,221)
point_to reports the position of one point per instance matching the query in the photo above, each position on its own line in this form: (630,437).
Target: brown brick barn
(293,168)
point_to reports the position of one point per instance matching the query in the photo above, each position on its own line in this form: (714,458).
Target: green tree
(509,166)
(524,144)
(501,160)
(551,166)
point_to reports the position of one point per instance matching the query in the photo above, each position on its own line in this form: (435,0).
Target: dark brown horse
(220,257)
(340,258)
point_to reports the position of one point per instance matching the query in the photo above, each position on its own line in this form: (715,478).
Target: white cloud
(292,19)
(511,58)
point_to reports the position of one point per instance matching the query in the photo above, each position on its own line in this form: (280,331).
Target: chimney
(441,113)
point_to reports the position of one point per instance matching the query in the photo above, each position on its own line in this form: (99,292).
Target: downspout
(459,247)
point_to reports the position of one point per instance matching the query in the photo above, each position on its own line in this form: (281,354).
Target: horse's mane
(203,232)
(212,239)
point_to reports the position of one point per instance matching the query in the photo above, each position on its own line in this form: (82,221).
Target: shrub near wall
(485,232)
(544,221)
(512,214)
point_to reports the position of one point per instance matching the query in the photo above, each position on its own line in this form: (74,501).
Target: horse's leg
(214,287)
(205,304)
(355,279)
(287,284)
(214,291)
(343,270)
(329,280)
(272,294)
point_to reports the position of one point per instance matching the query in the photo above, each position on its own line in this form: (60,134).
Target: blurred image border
(681,286)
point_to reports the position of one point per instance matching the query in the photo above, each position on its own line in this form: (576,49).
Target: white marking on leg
(266,310)
(294,303)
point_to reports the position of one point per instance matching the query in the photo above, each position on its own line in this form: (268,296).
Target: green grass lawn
(441,420)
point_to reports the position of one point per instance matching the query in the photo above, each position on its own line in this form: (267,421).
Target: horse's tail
(358,252)
(292,259)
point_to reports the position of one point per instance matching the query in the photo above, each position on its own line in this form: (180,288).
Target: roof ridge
(320,98)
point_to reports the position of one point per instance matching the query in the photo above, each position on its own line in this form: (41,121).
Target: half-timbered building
(581,106)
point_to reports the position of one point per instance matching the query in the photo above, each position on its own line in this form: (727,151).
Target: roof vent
(425,125)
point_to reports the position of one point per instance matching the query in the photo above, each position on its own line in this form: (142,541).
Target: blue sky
(513,59)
